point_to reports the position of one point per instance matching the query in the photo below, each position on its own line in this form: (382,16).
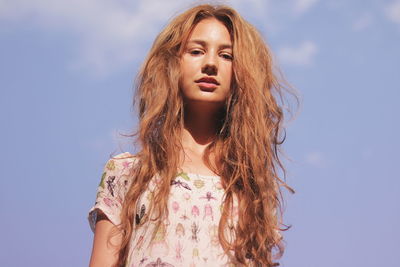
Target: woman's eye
(227,56)
(195,52)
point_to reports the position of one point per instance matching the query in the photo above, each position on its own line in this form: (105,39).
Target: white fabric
(189,237)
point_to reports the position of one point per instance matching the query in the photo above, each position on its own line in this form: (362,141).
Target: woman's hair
(246,147)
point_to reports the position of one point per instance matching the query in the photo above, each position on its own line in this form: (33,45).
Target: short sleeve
(114,184)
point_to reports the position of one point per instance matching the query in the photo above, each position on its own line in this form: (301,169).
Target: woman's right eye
(195,52)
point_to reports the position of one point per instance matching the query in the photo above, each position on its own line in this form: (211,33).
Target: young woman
(204,189)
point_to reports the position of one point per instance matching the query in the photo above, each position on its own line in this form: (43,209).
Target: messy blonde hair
(246,148)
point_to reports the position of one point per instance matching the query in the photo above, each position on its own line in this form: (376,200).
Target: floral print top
(188,237)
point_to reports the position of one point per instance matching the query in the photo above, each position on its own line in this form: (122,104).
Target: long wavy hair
(246,148)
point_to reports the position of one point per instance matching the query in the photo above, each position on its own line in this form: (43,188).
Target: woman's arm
(104,253)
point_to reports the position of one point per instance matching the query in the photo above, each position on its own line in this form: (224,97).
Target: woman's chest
(189,235)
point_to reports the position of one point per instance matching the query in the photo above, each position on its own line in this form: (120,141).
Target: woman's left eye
(227,56)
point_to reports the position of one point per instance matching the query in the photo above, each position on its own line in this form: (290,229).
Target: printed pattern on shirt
(188,237)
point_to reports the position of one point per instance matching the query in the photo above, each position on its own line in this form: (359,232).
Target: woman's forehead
(209,31)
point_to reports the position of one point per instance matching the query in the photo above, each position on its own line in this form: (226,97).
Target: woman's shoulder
(114,184)
(124,155)
(121,162)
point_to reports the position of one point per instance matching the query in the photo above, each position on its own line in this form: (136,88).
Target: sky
(67,70)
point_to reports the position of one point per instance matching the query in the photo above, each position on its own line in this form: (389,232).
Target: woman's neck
(201,124)
(201,127)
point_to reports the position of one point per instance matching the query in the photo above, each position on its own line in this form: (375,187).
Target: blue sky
(66,74)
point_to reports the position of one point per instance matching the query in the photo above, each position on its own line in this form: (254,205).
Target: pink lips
(207,83)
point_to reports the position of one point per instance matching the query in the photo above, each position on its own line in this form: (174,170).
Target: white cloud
(392,11)
(302,6)
(316,159)
(257,7)
(362,22)
(301,55)
(109,32)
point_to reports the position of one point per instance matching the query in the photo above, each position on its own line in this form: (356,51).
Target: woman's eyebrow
(205,44)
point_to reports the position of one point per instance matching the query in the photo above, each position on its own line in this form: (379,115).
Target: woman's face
(206,63)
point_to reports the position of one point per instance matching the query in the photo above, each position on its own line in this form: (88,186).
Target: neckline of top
(197,175)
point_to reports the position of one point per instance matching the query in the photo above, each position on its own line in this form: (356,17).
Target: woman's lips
(209,87)
(207,83)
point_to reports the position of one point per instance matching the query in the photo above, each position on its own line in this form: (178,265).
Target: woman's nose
(210,65)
